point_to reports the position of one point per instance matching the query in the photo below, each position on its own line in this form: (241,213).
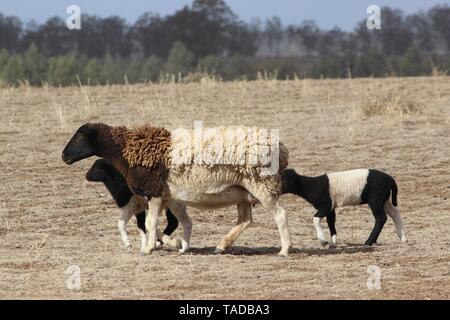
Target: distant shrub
(180,60)
(92,72)
(35,66)
(14,70)
(63,70)
(152,68)
(412,63)
(372,63)
(333,66)
(212,65)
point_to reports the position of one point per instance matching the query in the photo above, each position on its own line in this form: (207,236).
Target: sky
(342,13)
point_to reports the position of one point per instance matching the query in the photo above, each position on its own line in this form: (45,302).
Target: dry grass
(390,103)
(51,218)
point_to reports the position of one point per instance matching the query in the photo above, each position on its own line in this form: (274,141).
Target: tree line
(208,37)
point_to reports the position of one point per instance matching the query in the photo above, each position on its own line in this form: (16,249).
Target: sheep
(143,156)
(129,204)
(354,187)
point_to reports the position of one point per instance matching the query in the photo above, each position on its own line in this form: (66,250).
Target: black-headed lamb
(347,188)
(129,203)
(143,156)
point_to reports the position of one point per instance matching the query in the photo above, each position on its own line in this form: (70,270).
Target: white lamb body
(346,187)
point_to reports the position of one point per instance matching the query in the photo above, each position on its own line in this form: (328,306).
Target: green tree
(237,67)
(35,66)
(63,70)
(212,64)
(329,66)
(372,63)
(152,68)
(112,70)
(412,63)
(4,58)
(92,72)
(14,71)
(180,60)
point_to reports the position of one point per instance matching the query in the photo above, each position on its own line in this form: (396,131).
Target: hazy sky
(327,14)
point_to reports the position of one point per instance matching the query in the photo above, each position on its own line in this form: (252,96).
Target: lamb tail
(394,190)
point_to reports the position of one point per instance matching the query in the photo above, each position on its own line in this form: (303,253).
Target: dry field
(51,218)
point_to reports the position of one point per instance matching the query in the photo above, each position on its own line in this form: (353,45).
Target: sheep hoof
(158,244)
(177,243)
(182,251)
(128,246)
(324,243)
(332,246)
(219,251)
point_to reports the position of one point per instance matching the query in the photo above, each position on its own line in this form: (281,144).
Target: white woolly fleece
(346,186)
(231,145)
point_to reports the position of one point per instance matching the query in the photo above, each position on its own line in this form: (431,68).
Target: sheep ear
(88,129)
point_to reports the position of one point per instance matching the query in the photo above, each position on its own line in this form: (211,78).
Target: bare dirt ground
(51,218)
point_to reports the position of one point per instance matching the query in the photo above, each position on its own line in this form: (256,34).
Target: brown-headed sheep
(149,159)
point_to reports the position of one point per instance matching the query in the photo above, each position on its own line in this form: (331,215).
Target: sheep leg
(331,221)
(320,214)
(140,219)
(179,211)
(151,220)
(380,220)
(162,238)
(270,203)
(172,222)
(394,213)
(244,220)
(283,229)
(123,220)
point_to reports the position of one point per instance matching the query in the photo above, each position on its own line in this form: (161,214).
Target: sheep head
(98,172)
(83,144)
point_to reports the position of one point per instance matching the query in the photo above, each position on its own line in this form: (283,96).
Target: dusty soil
(51,218)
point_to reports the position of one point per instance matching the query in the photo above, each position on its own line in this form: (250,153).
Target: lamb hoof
(332,246)
(177,243)
(404,240)
(182,251)
(158,244)
(283,253)
(128,246)
(219,251)
(146,250)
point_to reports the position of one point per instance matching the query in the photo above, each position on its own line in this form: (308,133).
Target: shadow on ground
(252,251)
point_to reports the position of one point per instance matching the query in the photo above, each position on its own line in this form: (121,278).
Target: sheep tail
(394,190)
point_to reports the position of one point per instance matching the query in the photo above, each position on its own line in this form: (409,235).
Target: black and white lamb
(347,188)
(129,203)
